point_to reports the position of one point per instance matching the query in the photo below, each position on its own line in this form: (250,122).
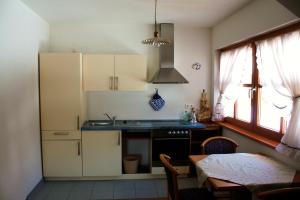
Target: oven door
(177,148)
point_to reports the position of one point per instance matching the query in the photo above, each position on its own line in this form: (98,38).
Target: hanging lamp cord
(155,17)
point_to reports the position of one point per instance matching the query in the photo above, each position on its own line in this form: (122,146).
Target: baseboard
(36,189)
(122,177)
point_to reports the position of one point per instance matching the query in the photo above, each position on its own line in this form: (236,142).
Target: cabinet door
(130,72)
(60,90)
(101,153)
(98,72)
(62,158)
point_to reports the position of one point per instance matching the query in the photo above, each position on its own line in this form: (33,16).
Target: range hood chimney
(167,74)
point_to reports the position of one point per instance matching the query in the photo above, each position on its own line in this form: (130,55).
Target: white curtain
(232,68)
(279,67)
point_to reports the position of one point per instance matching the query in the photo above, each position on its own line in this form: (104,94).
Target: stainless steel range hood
(167,73)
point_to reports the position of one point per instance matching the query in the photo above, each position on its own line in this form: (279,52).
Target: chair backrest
(171,177)
(292,193)
(218,145)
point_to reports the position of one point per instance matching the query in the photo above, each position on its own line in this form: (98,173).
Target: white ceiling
(204,13)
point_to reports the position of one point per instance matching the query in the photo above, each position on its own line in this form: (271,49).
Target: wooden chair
(183,194)
(218,145)
(292,193)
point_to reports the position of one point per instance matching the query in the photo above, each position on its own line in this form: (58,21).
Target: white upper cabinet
(130,72)
(98,72)
(114,72)
(61,94)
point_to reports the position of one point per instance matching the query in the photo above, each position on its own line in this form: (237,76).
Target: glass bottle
(218,116)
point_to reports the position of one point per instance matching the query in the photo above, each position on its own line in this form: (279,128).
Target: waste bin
(131,163)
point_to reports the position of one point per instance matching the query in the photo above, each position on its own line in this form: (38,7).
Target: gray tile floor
(114,189)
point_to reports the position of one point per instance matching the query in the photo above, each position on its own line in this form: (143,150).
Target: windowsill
(250,134)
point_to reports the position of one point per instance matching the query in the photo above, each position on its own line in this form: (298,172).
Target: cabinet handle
(111,83)
(119,139)
(61,133)
(116,83)
(78,150)
(78,126)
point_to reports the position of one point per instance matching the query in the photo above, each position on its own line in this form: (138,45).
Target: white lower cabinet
(102,153)
(62,158)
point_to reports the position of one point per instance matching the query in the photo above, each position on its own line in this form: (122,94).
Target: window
(256,107)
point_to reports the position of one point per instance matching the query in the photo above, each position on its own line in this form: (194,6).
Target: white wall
(22,35)
(191,45)
(257,17)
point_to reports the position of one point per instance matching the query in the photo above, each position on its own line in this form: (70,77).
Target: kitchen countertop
(139,125)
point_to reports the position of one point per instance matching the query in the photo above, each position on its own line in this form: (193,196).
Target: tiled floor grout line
(156,190)
(92,189)
(70,191)
(135,190)
(48,193)
(113,190)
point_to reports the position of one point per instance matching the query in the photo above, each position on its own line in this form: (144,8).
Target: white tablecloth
(251,170)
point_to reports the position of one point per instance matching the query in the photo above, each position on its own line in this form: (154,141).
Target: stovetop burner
(171,133)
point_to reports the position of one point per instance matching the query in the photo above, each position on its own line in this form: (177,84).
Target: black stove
(176,143)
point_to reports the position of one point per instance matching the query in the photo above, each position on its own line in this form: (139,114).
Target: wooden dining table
(223,185)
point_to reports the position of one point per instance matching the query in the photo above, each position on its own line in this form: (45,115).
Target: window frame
(253,125)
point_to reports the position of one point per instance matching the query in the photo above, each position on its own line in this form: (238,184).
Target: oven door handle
(170,138)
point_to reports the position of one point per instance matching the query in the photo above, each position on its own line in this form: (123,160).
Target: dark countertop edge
(128,126)
(124,129)
(138,128)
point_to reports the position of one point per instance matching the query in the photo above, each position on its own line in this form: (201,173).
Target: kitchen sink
(134,123)
(100,123)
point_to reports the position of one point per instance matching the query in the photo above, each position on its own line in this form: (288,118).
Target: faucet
(113,119)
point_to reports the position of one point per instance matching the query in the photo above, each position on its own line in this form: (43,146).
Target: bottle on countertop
(186,115)
(193,115)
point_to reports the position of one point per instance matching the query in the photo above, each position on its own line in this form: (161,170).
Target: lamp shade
(156,41)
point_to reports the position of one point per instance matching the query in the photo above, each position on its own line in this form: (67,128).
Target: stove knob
(178,132)
(173,132)
(186,132)
(169,132)
(182,132)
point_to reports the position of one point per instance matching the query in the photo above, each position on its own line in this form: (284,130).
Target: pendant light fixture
(156,41)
